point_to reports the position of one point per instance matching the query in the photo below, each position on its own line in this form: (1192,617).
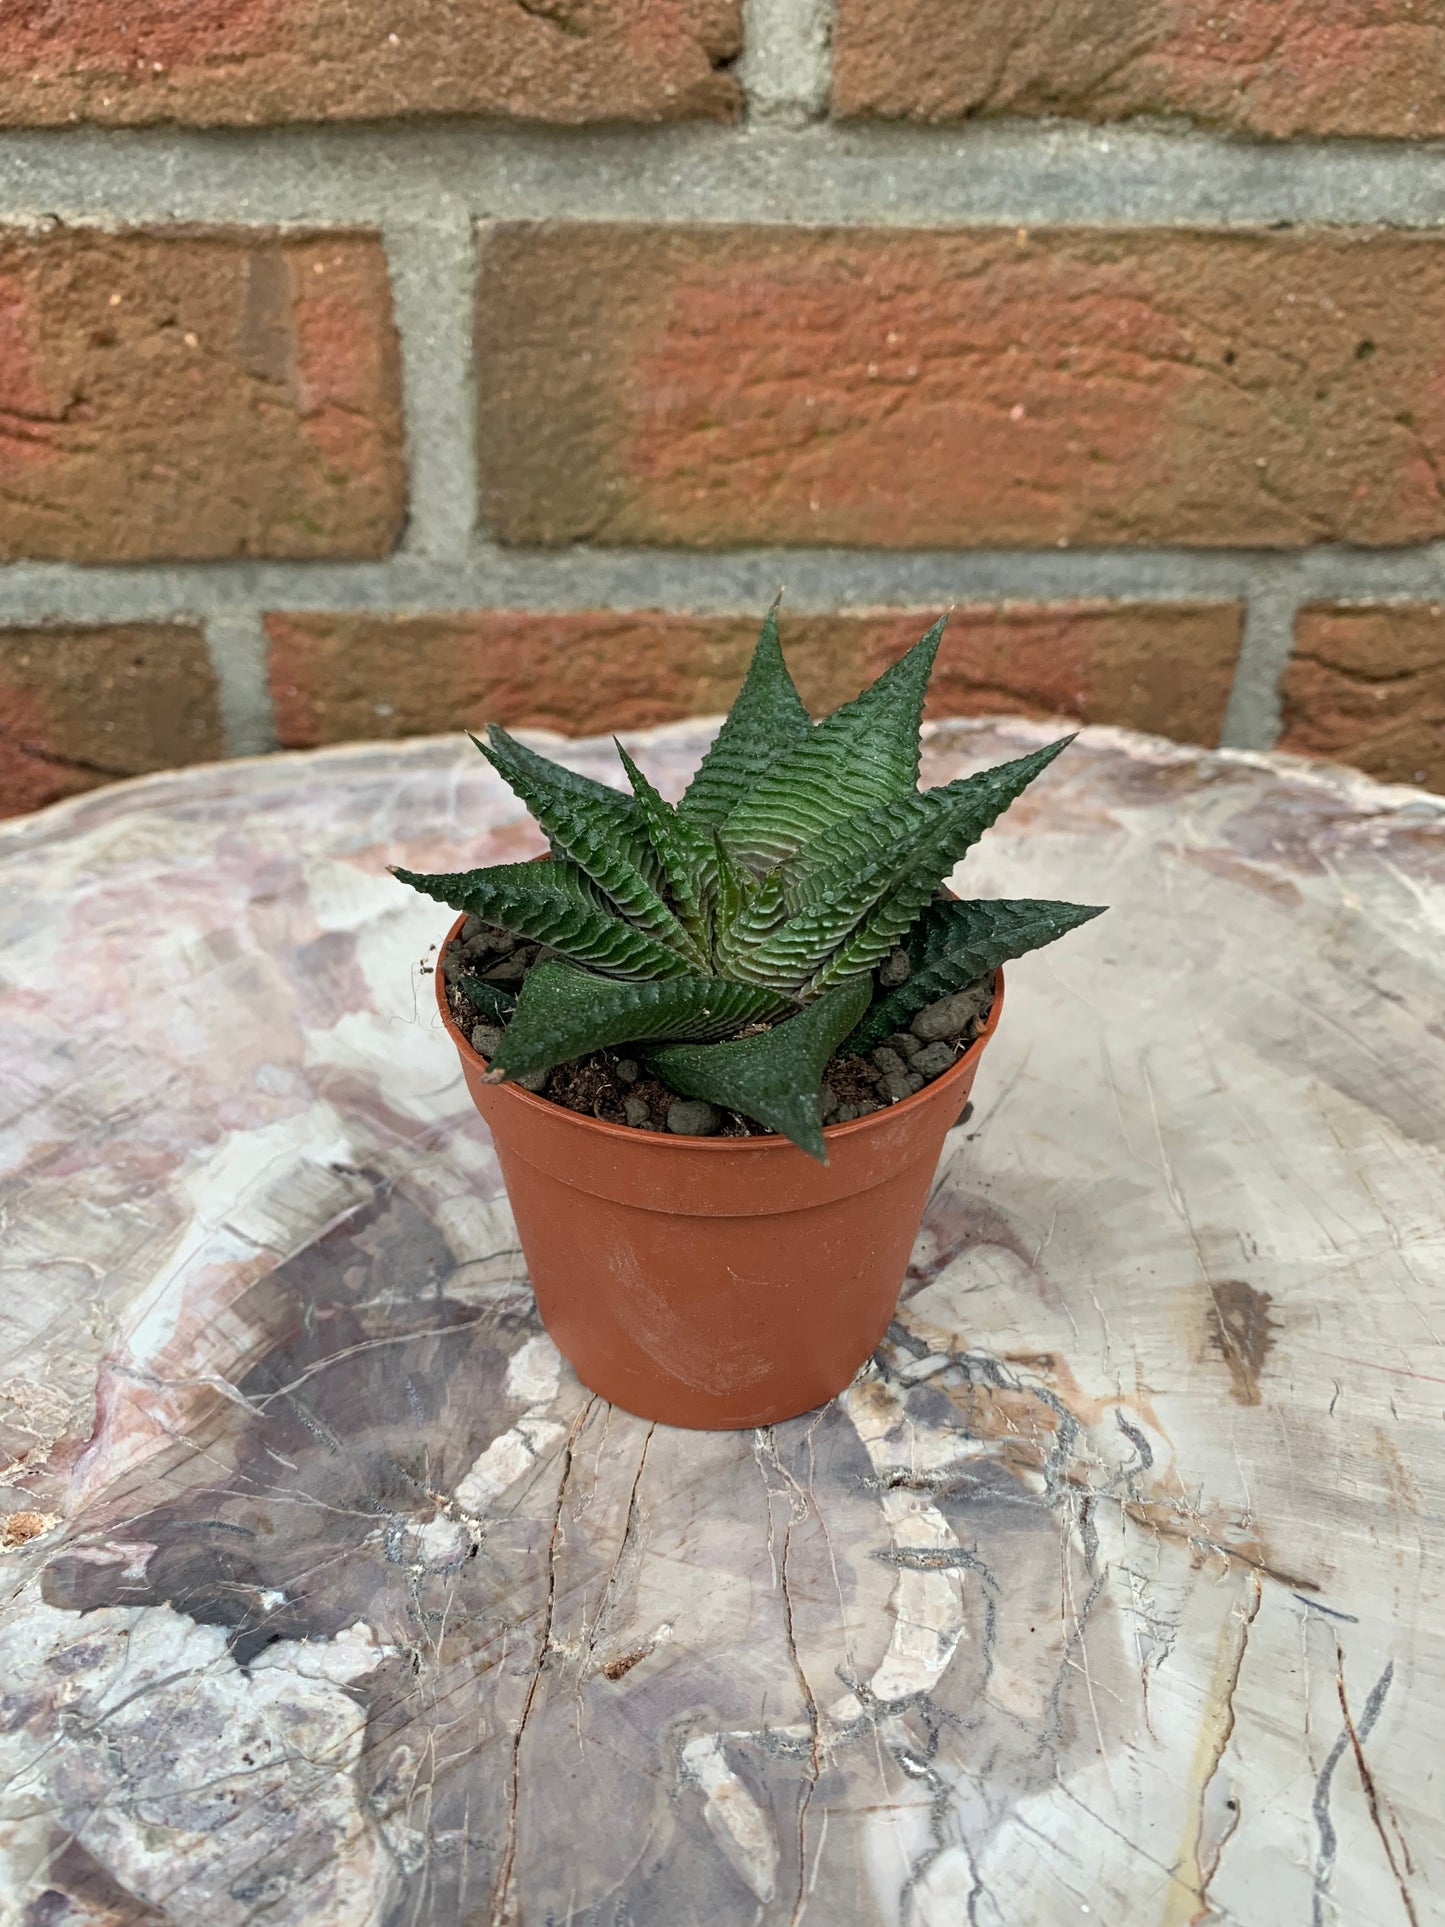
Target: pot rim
(768,1142)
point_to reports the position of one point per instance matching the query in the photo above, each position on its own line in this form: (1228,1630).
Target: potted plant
(719,1044)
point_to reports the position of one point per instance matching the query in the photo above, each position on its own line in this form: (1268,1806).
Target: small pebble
(486,1039)
(828,1100)
(869,1104)
(949,1016)
(628,1070)
(691,1117)
(470,929)
(639,1111)
(932,1061)
(889,1062)
(904,1042)
(452,967)
(844,1114)
(506,970)
(900,1085)
(535,1081)
(487,942)
(894,970)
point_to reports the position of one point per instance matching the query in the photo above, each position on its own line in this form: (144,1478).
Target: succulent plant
(732,940)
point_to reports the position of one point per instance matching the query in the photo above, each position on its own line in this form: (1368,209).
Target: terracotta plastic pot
(715,1282)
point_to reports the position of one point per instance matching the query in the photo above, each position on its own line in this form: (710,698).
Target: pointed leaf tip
(554,903)
(766,718)
(564,1013)
(774,1077)
(949,821)
(600,830)
(864,755)
(683,851)
(955,943)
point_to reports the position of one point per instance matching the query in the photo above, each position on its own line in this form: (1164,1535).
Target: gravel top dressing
(484,970)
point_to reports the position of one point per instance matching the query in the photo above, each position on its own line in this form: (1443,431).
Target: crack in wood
(1358,1736)
(501,1892)
(1197,1866)
(1355,1735)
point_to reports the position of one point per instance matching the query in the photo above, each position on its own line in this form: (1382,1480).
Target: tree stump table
(1109,1590)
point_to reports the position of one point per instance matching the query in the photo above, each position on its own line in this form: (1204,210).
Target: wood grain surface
(1111,1589)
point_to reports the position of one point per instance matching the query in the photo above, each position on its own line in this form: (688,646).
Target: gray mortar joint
(427,188)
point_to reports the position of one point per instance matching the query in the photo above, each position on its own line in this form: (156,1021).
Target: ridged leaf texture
(971,803)
(555,904)
(686,855)
(564,1013)
(799,856)
(766,719)
(953,944)
(776,1076)
(760,912)
(951,826)
(864,754)
(858,879)
(588,831)
(530,762)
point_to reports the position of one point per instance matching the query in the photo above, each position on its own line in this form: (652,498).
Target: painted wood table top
(1110,1590)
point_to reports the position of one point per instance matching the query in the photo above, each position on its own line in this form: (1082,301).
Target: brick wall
(367,371)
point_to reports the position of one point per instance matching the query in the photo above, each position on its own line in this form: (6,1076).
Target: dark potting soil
(614,1086)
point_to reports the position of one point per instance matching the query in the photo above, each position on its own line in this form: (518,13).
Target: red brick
(80,707)
(184,396)
(914,389)
(1164,667)
(244,62)
(1271,67)
(1366,685)
(335,678)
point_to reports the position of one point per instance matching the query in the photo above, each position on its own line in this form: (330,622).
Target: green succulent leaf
(798,858)
(687,855)
(766,719)
(849,848)
(953,944)
(857,868)
(564,1013)
(776,1076)
(758,914)
(954,817)
(523,769)
(615,854)
(734,889)
(864,754)
(553,903)
(531,763)
(494,1003)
